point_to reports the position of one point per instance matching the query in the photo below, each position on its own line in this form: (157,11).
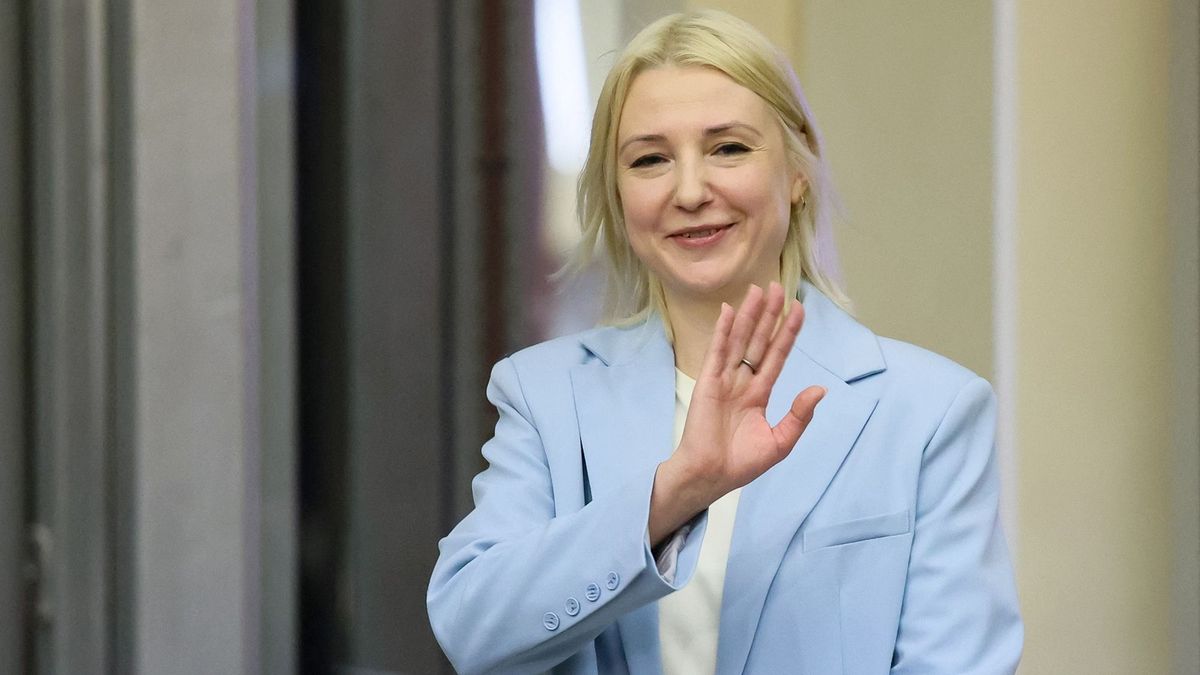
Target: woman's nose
(691,185)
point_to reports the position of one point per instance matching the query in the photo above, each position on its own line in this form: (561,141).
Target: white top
(689,618)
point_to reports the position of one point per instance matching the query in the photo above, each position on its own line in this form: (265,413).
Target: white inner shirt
(689,619)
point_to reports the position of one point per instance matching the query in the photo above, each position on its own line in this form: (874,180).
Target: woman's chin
(708,289)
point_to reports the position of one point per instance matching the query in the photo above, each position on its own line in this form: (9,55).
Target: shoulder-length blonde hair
(717,40)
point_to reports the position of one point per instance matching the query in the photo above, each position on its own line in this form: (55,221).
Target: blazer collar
(834,340)
(625,402)
(830,337)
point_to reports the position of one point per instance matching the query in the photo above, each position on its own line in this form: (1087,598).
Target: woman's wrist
(679,493)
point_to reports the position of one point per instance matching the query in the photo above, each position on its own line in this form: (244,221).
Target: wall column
(1093,377)
(203,280)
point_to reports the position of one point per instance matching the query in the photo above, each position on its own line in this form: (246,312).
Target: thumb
(788,431)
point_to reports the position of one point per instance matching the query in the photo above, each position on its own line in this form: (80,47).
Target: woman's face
(704,181)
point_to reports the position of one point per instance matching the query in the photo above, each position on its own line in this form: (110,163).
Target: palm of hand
(727,425)
(727,441)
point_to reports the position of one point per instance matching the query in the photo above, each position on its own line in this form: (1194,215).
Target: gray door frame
(158,384)
(69,337)
(12,344)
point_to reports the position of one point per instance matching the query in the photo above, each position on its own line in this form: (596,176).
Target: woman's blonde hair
(717,40)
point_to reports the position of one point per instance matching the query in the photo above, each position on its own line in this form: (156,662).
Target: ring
(751,366)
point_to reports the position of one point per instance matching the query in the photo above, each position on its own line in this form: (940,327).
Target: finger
(715,357)
(781,343)
(743,326)
(797,419)
(773,306)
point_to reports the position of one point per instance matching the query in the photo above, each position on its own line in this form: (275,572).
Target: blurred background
(258,256)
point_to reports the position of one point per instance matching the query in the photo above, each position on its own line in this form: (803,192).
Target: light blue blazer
(874,547)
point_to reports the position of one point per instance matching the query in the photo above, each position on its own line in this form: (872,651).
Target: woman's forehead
(692,98)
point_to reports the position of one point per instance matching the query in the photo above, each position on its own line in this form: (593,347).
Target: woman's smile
(700,236)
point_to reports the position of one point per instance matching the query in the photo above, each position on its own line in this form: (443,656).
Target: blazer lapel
(773,507)
(626,405)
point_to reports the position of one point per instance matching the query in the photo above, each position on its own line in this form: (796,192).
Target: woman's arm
(512,562)
(959,613)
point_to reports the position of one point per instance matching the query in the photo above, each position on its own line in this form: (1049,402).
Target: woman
(774,535)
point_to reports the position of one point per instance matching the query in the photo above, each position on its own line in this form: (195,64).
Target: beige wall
(904,93)
(779,21)
(1093,394)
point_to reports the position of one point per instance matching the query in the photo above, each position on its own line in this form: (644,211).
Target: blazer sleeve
(959,613)
(519,588)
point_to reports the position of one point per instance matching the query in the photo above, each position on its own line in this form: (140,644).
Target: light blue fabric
(875,547)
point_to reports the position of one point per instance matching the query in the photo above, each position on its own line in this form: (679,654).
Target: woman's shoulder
(911,362)
(558,355)
(855,352)
(542,372)
(921,384)
(607,344)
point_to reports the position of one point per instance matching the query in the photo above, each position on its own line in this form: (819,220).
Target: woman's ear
(799,185)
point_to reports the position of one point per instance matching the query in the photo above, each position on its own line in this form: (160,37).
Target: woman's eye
(646,160)
(731,149)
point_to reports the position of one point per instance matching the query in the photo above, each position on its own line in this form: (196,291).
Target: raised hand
(727,441)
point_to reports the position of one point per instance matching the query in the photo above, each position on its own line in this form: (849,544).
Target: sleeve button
(550,621)
(592,592)
(572,606)
(612,581)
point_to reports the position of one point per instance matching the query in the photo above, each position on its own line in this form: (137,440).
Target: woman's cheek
(639,212)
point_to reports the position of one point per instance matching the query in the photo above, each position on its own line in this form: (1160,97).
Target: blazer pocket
(853,531)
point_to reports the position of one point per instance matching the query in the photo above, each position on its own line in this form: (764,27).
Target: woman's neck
(692,325)
(692,320)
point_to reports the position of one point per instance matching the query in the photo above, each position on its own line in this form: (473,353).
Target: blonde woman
(733,475)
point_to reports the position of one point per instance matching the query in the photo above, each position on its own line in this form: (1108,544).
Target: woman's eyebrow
(730,126)
(708,131)
(648,138)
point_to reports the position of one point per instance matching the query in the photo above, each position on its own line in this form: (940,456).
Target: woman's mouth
(700,236)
